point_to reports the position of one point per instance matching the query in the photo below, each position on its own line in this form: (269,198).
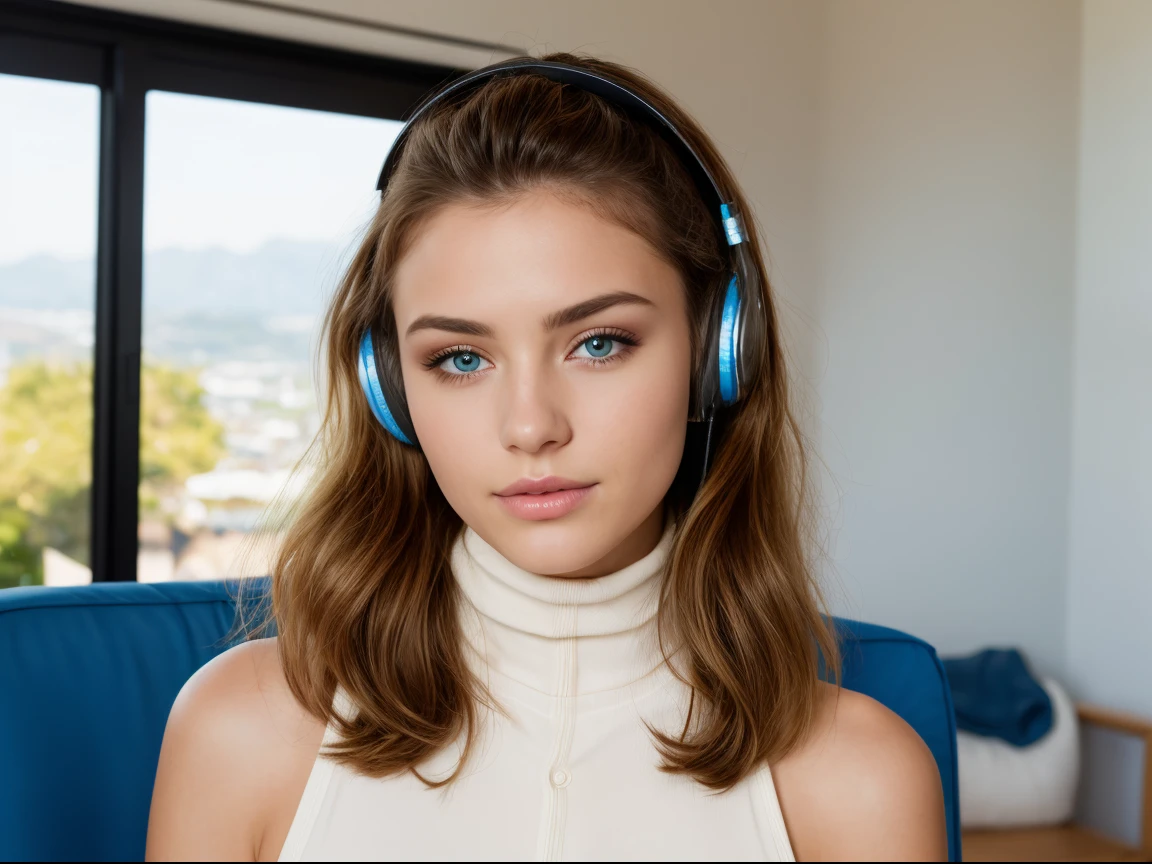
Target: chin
(552,547)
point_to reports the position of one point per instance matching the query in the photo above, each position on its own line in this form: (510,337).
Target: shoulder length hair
(363,596)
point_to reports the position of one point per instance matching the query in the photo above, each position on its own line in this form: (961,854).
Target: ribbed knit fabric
(571,773)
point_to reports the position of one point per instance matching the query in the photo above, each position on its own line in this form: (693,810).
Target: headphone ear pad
(727,344)
(370,383)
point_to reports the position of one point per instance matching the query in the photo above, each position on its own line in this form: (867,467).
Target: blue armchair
(88,675)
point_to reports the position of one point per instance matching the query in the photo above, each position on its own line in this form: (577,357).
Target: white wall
(947,173)
(1110,549)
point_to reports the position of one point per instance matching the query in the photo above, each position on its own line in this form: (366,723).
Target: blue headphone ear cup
(373,391)
(729,378)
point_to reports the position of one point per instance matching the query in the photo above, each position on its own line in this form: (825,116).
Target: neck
(560,635)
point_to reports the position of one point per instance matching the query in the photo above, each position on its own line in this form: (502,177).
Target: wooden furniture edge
(1065,842)
(1128,724)
(1119,721)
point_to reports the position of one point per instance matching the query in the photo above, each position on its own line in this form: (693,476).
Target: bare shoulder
(863,786)
(237,752)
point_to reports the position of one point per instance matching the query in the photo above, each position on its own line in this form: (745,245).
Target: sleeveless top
(571,773)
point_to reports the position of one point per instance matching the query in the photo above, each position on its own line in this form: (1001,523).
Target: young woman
(550,597)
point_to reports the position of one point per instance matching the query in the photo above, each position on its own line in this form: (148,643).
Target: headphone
(738,326)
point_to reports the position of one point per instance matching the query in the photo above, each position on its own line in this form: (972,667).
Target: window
(250,214)
(49,144)
(176,203)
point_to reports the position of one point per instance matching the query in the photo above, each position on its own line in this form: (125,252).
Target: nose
(532,409)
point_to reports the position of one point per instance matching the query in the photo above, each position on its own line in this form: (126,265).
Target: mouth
(535,506)
(542,486)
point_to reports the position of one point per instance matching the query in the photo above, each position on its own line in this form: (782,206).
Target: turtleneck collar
(558,635)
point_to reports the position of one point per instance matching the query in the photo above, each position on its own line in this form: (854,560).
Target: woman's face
(539,340)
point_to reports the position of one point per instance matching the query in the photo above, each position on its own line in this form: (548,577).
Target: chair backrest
(88,675)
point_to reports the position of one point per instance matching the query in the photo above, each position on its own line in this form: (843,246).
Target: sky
(218,172)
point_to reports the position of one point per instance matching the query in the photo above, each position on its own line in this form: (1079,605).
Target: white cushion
(1002,785)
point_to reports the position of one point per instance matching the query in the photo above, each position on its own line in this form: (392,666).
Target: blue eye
(605,347)
(463,363)
(598,346)
(466,362)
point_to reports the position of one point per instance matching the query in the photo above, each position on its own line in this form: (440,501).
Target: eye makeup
(628,342)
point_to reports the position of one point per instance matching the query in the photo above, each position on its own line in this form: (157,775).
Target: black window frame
(126,55)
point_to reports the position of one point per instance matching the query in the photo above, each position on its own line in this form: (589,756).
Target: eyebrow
(552,321)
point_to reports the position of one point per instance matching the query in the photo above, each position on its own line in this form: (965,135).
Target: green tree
(46,455)
(178,437)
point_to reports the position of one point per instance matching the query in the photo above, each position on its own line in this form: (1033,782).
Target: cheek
(452,445)
(638,419)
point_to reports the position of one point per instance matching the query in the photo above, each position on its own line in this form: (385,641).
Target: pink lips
(545,498)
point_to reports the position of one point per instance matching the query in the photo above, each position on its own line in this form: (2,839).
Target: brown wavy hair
(362,593)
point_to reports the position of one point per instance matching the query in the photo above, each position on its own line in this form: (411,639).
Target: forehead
(527,258)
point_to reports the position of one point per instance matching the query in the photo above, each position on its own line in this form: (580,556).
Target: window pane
(49,143)
(250,212)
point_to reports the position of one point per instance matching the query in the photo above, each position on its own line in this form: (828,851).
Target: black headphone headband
(606,88)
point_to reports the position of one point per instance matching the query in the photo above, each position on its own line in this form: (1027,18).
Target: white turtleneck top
(572,773)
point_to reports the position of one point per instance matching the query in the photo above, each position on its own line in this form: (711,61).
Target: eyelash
(616,335)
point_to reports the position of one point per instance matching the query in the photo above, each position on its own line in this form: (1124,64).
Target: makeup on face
(544,498)
(542,343)
(548,505)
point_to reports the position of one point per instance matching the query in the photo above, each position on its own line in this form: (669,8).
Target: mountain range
(282,277)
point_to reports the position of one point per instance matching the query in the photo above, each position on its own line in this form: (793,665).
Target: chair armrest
(1128,724)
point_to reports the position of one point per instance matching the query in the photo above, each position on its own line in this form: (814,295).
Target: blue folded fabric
(995,695)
